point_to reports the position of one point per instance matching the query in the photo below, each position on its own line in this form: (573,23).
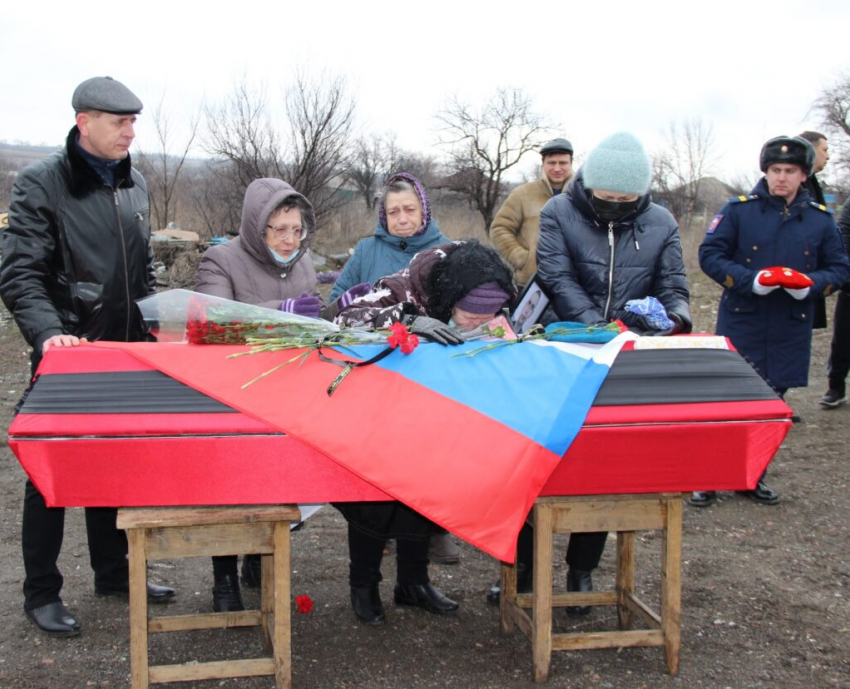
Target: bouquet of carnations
(200,319)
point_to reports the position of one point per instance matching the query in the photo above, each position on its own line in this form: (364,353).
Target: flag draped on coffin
(467,442)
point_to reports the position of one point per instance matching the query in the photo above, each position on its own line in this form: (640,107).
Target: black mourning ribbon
(348,366)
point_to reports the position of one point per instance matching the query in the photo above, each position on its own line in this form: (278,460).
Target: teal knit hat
(620,164)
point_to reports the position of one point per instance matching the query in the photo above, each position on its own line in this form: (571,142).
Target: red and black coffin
(100,427)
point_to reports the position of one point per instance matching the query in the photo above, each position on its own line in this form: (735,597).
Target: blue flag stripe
(539,391)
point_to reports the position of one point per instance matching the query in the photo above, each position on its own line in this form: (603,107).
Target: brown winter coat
(244,270)
(516,226)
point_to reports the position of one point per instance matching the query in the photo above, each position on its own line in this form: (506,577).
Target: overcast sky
(750,69)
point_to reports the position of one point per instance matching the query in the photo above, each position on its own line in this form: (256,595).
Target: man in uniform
(765,312)
(516,226)
(76,256)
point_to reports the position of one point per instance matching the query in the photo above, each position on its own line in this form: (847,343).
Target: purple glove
(305,305)
(355,292)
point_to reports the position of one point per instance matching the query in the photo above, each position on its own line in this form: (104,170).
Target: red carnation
(411,344)
(303,604)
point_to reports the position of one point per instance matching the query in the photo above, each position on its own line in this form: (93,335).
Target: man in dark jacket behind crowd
(839,351)
(778,226)
(813,186)
(602,244)
(76,256)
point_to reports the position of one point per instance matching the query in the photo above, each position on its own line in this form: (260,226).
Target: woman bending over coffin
(445,291)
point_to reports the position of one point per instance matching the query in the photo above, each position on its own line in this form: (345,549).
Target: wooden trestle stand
(176,532)
(624,514)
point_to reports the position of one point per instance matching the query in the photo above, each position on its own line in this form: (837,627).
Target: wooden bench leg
(541,598)
(625,581)
(671,583)
(508,578)
(138,609)
(282,608)
(267,599)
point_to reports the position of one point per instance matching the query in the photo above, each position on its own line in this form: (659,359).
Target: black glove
(434,330)
(637,323)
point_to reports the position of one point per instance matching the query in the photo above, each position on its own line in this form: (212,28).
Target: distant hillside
(21,155)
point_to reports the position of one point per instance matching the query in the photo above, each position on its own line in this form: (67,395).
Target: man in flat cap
(515,228)
(773,252)
(76,256)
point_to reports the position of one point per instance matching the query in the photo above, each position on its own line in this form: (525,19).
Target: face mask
(280,259)
(611,211)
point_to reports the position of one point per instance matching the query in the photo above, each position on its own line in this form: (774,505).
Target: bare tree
(832,107)
(8,174)
(483,143)
(318,131)
(162,168)
(375,157)
(679,168)
(217,195)
(321,120)
(239,131)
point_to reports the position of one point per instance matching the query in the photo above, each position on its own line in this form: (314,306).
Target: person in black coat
(76,256)
(839,350)
(813,186)
(602,244)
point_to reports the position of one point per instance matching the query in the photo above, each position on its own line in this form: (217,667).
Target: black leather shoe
(425,596)
(227,597)
(524,579)
(156,594)
(761,494)
(366,601)
(252,571)
(54,620)
(702,498)
(579,580)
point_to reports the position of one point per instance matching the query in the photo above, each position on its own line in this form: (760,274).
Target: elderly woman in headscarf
(445,291)
(405,227)
(266,265)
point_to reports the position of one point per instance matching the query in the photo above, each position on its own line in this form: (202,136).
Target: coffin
(101,428)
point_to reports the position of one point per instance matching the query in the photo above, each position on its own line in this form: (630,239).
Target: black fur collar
(84,180)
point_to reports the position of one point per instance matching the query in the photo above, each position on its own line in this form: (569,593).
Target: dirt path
(766,600)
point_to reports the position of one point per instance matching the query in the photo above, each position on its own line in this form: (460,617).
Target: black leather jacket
(592,268)
(77,252)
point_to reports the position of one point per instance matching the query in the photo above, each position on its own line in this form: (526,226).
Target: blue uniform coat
(753,233)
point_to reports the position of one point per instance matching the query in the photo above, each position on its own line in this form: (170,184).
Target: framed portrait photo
(531,305)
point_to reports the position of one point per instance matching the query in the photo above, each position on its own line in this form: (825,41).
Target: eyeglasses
(287,232)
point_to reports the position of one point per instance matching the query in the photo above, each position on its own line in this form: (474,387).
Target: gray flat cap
(106,94)
(556,146)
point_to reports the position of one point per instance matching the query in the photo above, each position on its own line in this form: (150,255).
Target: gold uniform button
(805,253)
(749,260)
(804,315)
(755,248)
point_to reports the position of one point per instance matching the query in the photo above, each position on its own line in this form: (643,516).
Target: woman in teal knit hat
(602,244)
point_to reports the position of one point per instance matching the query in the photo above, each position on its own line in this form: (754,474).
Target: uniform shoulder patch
(712,226)
(821,207)
(743,199)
